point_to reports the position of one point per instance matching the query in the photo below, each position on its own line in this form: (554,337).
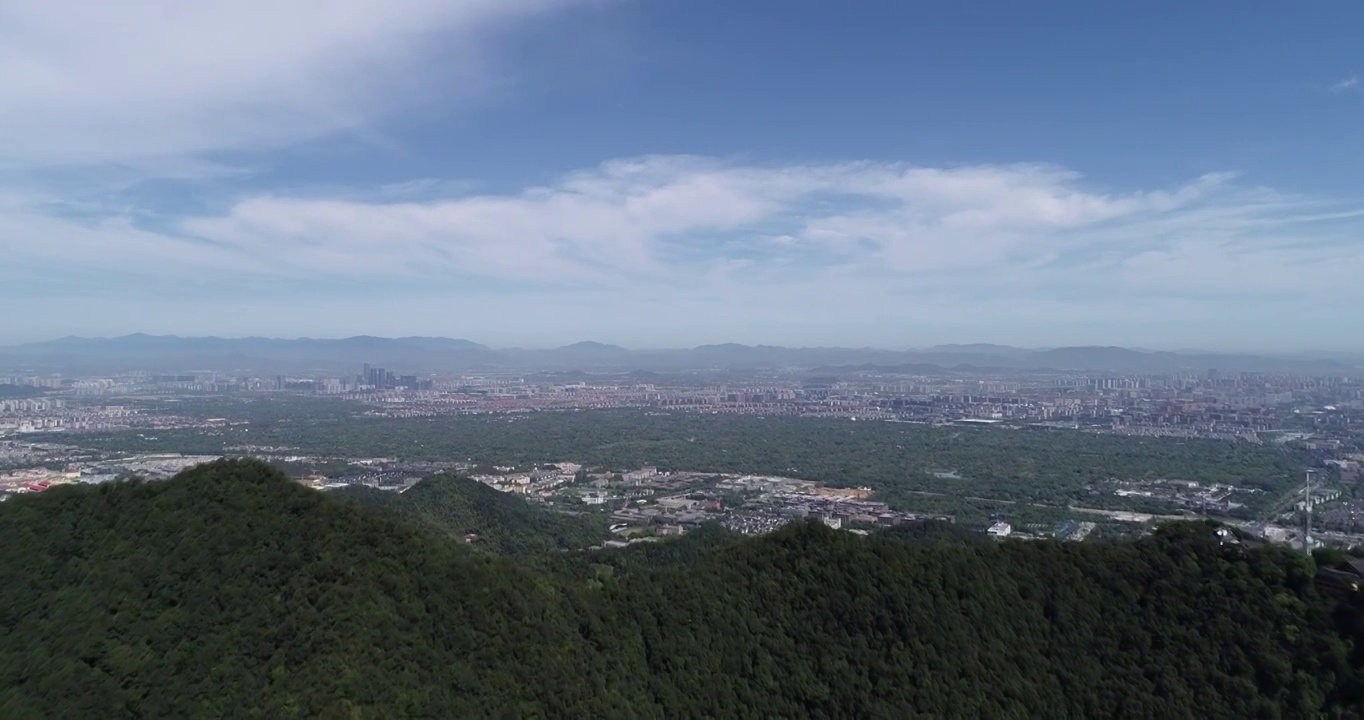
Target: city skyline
(533,173)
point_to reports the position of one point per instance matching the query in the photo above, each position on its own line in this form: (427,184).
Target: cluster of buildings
(645,501)
(34,480)
(31,414)
(1068,531)
(377,378)
(17,454)
(89,470)
(1183,494)
(769,497)
(46,414)
(32,405)
(1211,404)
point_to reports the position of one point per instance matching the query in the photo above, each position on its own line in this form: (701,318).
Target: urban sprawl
(645,503)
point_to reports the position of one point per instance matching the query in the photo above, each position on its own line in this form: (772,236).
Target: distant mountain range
(171,353)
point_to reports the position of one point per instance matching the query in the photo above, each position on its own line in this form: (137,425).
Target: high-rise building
(377,377)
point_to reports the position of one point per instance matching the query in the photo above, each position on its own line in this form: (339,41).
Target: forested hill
(462,508)
(232,592)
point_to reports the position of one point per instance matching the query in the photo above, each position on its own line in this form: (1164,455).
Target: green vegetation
(897,460)
(470,511)
(231,591)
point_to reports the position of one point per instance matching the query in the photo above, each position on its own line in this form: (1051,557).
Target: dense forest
(231,591)
(897,460)
(468,510)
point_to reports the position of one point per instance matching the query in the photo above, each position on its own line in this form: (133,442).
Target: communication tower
(1307,524)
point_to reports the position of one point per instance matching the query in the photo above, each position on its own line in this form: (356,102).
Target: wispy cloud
(1347,85)
(151,80)
(694,227)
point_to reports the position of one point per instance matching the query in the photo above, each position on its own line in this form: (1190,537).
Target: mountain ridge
(436,354)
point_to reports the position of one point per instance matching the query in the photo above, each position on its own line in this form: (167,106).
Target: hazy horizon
(542,345)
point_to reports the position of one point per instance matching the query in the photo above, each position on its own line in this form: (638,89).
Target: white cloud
(702,227)
(88,81)
(49,244)
(123,91)
(1347,85)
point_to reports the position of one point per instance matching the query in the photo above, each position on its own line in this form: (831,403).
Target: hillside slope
(458,507)
(232,592)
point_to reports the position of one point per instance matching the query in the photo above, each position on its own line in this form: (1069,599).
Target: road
(1122,515)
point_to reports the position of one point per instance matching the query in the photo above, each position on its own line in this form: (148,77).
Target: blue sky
(537,172)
